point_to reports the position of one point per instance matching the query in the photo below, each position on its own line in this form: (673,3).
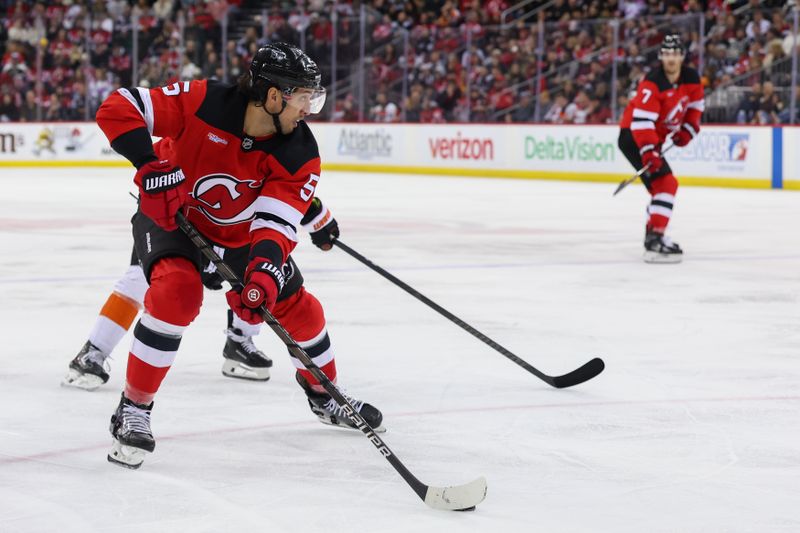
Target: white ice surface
(694,425)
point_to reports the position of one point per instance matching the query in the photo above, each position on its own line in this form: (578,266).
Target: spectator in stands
(189,71)
(383,110)
(780,25)
(556,113)
(578,111)
(243,45)
(413,105)
(785,115)
(192,51)
(120,64)
(77,104)
(758,26)
(622,102)
(163,9)
(24,32)
(235,68)
(599,113)
(28,112)
(525,109)
(9,109)
(448,98)
(769,106)
(100,86)
(55,111)
(15,65)
(633,8)
(345,110)
(775,64)
(746,112)
(211,66)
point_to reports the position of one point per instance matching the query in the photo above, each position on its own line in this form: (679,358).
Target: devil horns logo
(224,199)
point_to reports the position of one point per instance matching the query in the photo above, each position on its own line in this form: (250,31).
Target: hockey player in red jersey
(242,165)
(89,369)
(669,101)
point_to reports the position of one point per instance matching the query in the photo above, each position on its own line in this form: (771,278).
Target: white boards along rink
(725,156)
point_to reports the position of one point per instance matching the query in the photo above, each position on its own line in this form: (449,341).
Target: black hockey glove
(211,280)
(321,225)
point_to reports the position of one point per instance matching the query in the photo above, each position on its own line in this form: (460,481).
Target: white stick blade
(458,498)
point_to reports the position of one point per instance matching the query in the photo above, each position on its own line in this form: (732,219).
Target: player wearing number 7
(241,164)
(669,101)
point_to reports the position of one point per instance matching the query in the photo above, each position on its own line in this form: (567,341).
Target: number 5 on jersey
(308,189)
(175,88)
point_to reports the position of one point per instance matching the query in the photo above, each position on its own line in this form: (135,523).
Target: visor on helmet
(309,100)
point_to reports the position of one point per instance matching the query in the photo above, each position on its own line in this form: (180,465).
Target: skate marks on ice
(697,410)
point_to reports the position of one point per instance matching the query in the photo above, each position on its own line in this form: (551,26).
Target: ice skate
(130,428)
(330,412)
(659,248)
(242,359)
(88,370)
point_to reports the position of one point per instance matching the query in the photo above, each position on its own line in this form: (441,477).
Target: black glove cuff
(313,211)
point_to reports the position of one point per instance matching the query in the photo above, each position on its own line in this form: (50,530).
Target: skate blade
(235,369)
(126,456)
(78,380)
(657,258)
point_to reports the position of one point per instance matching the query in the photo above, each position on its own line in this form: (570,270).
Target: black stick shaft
(588,371)
(230,276)
(626,182)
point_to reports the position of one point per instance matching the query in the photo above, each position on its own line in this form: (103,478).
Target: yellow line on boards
(65,163)
(745,183)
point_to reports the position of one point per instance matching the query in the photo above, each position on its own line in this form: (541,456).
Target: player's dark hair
(253,91)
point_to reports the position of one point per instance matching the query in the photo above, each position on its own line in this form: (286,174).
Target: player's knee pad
(301,314)
(175,293)
(664,184)
(132,284)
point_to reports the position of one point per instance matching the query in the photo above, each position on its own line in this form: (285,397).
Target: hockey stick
(455,498)
(625,183)
(579,375)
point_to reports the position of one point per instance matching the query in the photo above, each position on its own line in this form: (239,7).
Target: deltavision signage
(569,148)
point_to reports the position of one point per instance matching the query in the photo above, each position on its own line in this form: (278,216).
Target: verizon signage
(462,147)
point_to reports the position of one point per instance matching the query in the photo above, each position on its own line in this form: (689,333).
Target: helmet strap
(275,116)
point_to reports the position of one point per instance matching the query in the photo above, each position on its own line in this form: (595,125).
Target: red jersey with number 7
(660,107)
(242,190)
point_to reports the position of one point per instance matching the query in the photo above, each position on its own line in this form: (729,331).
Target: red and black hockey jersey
(243,190)
(660,107)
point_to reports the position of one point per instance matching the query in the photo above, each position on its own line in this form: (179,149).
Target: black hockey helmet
(288,68)
(672,42)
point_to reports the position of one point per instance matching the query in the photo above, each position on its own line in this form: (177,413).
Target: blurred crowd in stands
(428,60)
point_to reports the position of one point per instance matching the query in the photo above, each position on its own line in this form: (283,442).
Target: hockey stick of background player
(457,498)
(625,183)
(579,375)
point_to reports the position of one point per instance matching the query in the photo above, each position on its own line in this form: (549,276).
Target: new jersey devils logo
(224,199)
(675,116)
